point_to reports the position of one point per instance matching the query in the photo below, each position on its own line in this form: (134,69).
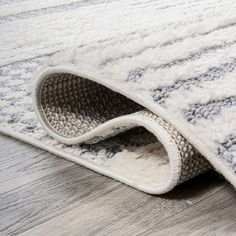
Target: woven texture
(141,91)
(73,106)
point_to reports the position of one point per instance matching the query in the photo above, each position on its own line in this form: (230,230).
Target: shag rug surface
(141,91)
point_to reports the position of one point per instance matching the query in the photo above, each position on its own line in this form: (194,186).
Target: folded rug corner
(150,107)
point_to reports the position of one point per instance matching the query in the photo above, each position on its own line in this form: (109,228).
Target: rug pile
(141,91)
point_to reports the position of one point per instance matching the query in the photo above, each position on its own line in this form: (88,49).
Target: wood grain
(213,216)
(46,195)
(21,164)
(44,198)
(121,212)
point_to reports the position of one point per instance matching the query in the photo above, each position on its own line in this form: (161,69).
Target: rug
(141,91)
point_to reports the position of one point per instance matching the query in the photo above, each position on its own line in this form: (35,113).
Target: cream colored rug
(142,91)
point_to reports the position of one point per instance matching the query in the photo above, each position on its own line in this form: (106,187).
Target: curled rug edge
(185,159)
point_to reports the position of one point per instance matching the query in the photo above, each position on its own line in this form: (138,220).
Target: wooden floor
(41,194)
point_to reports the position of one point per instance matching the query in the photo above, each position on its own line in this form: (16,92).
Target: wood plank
(21,163)
(124,211)
(214,215)
(91,218)
(47,197)
(75,200)
(199,187)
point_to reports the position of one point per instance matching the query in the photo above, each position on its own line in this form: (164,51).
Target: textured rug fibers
(141,91)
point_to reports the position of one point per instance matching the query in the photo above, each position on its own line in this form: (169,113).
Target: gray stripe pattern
(49,10)
(129,140)
(175,52)
(166,43)
(226,150)
(137,74)
(18,94)
(209,110)
(214,73)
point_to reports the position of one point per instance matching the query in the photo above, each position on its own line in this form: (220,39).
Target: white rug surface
(141,91)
